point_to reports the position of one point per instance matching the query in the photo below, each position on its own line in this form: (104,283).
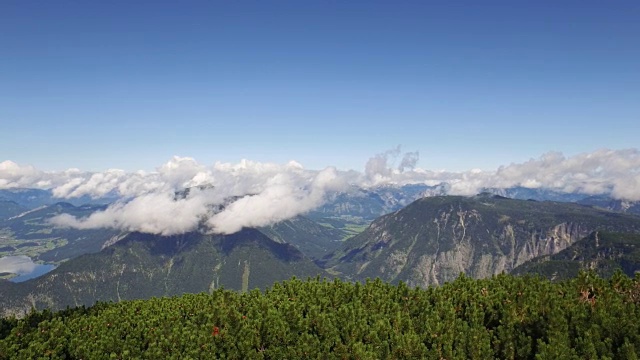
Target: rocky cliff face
(481,262)
(435,239)
(603,252)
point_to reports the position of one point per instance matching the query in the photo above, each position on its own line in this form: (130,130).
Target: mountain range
(423,239)
(33,198)
(434,239)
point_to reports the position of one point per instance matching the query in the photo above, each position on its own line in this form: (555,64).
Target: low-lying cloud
(221,199)
(20,264)
(612,172)
(226,197)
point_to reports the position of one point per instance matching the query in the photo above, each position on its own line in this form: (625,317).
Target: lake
(24,267)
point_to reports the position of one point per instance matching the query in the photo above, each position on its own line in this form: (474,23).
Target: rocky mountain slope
(604,252)
(434,239)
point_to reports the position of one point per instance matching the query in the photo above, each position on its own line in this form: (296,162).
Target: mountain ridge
(434,239)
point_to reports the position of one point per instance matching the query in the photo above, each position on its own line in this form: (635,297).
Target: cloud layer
(222,199)
(250,194)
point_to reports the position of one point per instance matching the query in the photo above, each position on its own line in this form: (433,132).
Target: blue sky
(477,84)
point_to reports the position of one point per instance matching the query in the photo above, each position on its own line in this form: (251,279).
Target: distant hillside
(144,265)
(603,252)
(30,233)
(310,237)
(33,198)
(539,194)
(605,202)
(10,208)
(370,203)
(435,239)
(28,198)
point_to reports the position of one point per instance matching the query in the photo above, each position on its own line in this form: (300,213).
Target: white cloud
(612,172)
(381,169)
(13,175)
(20,264)
(156,213)
(253,194)
(256,194)
(601,172)
(283,196)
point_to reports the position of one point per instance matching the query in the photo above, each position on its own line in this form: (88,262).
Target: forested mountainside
(144,265)
(312,238)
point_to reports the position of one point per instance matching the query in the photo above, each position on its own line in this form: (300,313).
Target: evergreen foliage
(503,317)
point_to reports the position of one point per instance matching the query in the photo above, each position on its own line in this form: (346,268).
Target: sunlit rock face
(435,239)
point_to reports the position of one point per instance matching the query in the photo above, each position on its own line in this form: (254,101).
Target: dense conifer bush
(503,317)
